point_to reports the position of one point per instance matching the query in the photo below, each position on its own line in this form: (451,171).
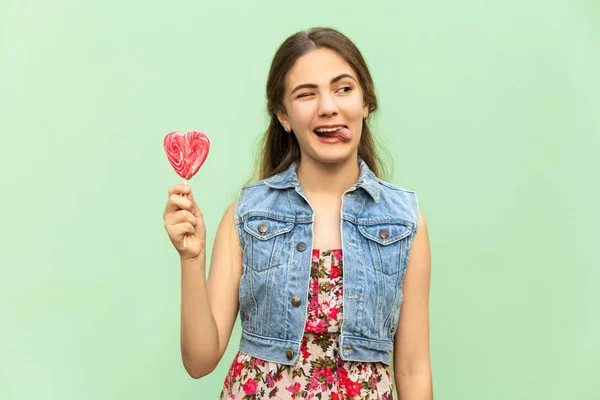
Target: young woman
(327,264)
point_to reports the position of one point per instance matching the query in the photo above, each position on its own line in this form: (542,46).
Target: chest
(327,224)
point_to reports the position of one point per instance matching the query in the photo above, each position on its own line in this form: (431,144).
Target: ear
(282,117)
(365,111)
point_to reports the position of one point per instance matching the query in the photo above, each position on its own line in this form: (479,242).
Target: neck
(320,178)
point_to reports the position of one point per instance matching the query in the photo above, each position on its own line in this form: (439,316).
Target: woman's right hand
(182,217)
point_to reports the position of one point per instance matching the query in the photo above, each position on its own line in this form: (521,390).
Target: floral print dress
(319,372)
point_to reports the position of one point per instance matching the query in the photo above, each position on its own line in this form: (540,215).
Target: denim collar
(288,179)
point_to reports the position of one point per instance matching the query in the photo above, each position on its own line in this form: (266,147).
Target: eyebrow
(314,86)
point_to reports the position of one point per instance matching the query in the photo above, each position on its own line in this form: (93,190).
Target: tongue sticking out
(343,134)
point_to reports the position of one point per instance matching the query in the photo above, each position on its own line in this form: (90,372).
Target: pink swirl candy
(186,151)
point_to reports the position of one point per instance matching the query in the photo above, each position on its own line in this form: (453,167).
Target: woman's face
(322,90)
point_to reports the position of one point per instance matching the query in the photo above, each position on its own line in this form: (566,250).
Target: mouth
(328,131)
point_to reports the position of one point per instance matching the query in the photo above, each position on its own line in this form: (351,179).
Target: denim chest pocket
(265,242)
(387,245)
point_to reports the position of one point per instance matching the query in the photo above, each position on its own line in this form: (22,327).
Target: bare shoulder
(422,224)
(226,248)
(229,221)
(230,211)
(421,240)
(229,215)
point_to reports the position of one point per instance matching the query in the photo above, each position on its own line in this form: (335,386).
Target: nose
(327,106)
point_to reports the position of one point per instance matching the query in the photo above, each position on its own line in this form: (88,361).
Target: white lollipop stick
(185,236)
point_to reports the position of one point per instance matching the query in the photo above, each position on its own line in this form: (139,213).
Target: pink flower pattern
(319,372)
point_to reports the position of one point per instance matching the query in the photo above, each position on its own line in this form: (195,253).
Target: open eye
(347,89)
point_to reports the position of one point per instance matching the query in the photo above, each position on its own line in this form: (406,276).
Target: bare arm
(209,307)
(412,366)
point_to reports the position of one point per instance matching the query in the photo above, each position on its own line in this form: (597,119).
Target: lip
(329,140)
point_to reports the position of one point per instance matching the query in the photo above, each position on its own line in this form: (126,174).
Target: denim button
(289,354)
(296,301)
(301,246)
(384,233)
(247,317)
(263,228)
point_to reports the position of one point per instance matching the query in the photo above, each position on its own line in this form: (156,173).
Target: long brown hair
(278,148)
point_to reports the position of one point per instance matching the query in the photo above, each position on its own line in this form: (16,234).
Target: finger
(185,228)
(182,202)
(185,216)
(180,189)
(177,202)
(179,217)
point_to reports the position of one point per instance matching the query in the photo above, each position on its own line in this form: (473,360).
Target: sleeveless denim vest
(274,221)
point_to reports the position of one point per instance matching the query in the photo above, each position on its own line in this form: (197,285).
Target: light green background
(489,110)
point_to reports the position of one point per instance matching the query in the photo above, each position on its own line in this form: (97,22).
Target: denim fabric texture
(274,222)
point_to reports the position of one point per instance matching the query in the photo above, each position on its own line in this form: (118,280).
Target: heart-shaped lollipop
(186,151)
